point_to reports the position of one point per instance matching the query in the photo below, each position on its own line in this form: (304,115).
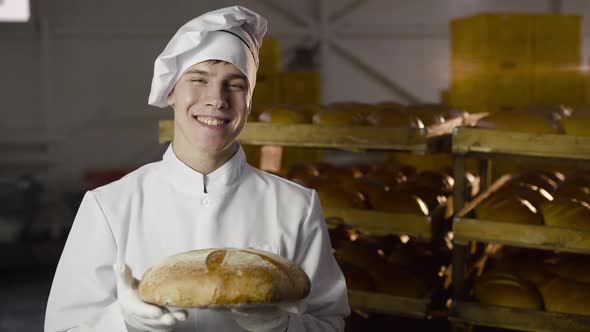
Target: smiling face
(211,105)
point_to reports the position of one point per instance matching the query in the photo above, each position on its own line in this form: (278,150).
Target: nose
(215,97)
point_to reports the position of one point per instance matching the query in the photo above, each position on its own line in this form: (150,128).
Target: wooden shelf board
(530,236)
(383,223)
(519,319)
(486,141)
(308,135)
(387,304)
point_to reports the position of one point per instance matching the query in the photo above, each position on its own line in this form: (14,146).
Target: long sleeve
(83,293)
(327,303)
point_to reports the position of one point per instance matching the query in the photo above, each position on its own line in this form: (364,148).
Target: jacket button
(206,202)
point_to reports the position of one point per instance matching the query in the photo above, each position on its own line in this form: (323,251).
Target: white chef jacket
(162,209)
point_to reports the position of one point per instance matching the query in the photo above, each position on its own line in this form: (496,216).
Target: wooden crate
(266,91)
(270,57)
(557,39)
(558,85)
(300,87)
(493,38)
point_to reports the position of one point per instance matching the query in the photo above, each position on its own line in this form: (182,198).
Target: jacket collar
(192,181)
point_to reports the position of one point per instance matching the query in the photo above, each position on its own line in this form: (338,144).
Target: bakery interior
(448,140)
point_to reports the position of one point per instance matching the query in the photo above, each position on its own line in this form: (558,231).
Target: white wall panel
(21,85)
(154,16)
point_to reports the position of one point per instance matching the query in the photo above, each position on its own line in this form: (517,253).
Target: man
(202,194)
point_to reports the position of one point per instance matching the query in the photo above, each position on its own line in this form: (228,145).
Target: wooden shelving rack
(487,145)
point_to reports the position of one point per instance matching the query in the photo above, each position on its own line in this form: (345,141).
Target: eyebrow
(206,73)
(197,71)
(237,76)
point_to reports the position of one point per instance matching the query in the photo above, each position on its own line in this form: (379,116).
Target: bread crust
(223,276)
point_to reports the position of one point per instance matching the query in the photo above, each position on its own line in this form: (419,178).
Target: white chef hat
(232,34)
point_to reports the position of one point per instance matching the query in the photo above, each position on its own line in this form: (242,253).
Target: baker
(202,194)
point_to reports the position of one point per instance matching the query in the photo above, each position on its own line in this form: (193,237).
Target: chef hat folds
(232,34)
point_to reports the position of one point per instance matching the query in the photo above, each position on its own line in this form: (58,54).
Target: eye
(198,80)
(236,86)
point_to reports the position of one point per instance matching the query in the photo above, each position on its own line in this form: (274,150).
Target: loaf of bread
(399,202)
(566,296)
(429,114)
(575,186)
(224,276)
(510,209)
(343,114)
(394,119)
(567,213)
(507,290)
(578,124)
(535,195)
(338,197)
(283,114)
(521,121)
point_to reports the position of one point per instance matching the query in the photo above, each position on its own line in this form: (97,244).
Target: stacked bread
(393,265)
(578,123)
(533,279)
(570,207)
(527,120)
(387,187)
(551,119)
(384,114)
(541,198)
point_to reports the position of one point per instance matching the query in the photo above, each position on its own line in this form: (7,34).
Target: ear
(170,98)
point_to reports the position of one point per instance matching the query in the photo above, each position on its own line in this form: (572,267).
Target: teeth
(211,121)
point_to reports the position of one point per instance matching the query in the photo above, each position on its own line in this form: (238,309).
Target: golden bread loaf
(507,290)
(566,296)
(429,114)
(394,119)
(538,179)
(399,202)
(575,186)
(533,194)
(335,196)
(578,124)
(338,118)
(510,209)
(283,114)
(520,121)
(567,213)
(224,276)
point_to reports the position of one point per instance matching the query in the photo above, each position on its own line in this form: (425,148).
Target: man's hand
(271,319)
(138,314)
(265,319)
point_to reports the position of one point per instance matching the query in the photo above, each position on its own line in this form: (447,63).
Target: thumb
(294,307)
(130,299)
(124,276)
